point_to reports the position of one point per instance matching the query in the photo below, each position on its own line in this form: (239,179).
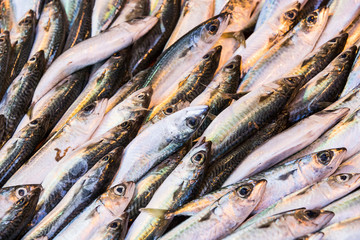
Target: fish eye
(230,66)
(206,56)
(291,14)
(198,158)
(114,224)
(342,56)
(192,122)
(20,192)
(244,191)
(141,96)
(311,19)
(212,28)
(343,178)
(106,158)
(89,108)
(120,190)
(34,123)
(2,39)
(311,214)
(324,157)
(168,110)
(32,59)
(125,124)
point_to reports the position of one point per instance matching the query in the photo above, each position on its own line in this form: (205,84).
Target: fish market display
(179,119)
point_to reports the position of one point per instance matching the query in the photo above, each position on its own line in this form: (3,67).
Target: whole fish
(353,79)
(114,230)
(319,58)
(223,216)
(188,89)
(104,13)
(219,171)
(101,85)
(288,225)
(21,47)
(131,10)
(5,50)
(10,195)
(271,32)
(16,218)
(172,193)
(147,48)
(166,73)
(50,31)
(314,196)
(61,178)
(19,148)
(287,53)
(148,184)
(342,14)
(75,133)
(341,135)
(347,229)
(82,193)
(218,94)
(193,13)
(286,143)
(126,90)
(18,96)
(106,208)
(323,89)
(73,59)
(158,142)
(244,117)
(133,105)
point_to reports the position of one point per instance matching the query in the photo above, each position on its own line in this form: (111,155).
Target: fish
(172,193)
(147,48)
(19,148)
(314,196)
(290,50)
(302,222)
(352,81)
(223,216)
(106,208)
(61,178)
(323,89)
(51,31)
(193,13)
(188,89)
(18,96)
(166,73)
(64,142)
(270,33)
(158,142)
(14,221)
(114,230)
(82,193)
(104,13)
(134,105)
(245,116)
(73,59)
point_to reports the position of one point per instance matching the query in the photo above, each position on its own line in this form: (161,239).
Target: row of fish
(170,119)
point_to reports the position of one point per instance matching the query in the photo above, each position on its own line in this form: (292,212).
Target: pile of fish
(179,119)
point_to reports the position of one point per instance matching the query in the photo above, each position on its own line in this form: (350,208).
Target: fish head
(210,60)
(345,59)
(310,219)
(26,204)
(196,160)
(28,20)
(37,127)
(118,226)
(336,42)
(182,124)
(37,61)
(321,164)
(90,116)
(312,26)
(118,197)
(212,29)
(232,67)
(344,182)
(141,97)
(139,26)
(289,17)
